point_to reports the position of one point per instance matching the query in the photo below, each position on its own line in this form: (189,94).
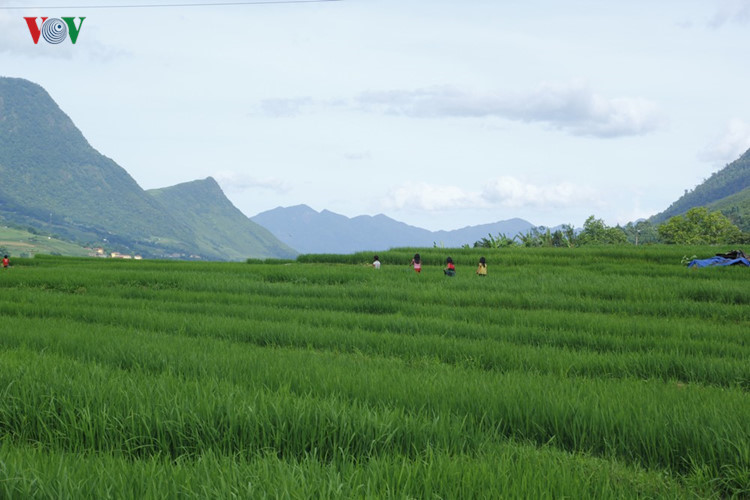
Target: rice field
(566,373)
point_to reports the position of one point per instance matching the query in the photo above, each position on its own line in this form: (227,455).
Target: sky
(440,114)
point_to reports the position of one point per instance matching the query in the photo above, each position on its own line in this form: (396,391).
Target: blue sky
(439,114)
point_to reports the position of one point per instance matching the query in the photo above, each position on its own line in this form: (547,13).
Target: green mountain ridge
(55,182)
(219,226)
(736,207)
(727,190)
(51,172)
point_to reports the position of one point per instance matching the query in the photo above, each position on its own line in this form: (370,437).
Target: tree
(558,239)
(641,233)
(536,237)
(596,232)
(570,234)
(700,227)
(501,241)
(542,236)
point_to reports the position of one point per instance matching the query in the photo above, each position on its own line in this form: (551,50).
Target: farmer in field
(417,263)
(376,262)
(482,268)
(450,268)
(6,262)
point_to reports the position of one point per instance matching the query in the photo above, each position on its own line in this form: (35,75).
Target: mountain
(218,226)
(736,207)
(727,190)
(310,231)
(52,176)
(470,234)
(56,183)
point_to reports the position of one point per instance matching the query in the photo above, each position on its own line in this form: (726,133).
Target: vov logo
(54,30)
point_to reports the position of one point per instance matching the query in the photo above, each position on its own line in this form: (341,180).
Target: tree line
(698,226)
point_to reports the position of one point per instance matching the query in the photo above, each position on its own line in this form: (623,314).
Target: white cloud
(295,106)
(285,107)
(238,181)
(432,197)
(737,11)
(513,193)
(358,155)
(730,145)
(574,108)
(505,191)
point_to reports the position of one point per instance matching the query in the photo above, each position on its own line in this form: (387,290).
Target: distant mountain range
(309,231)
(54,181)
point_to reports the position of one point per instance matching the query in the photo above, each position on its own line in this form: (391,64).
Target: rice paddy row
(331,379)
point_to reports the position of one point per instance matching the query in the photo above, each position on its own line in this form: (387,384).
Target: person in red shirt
(6,262)
(417,263)
(450,269)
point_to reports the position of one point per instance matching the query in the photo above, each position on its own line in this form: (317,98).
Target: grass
(603,373)
(17,242)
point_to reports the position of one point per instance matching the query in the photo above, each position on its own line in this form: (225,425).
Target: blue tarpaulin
(718,261)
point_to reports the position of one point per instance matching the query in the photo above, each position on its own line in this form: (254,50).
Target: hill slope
(53,178)
(54,181)
(726,190)
(219,227)
(21,243)
(736,207)
(310,231)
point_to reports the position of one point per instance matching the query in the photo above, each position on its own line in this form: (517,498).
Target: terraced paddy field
(565,373)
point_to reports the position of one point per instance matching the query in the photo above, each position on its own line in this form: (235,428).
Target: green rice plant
(509,470)
(346,378)
(653,424)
